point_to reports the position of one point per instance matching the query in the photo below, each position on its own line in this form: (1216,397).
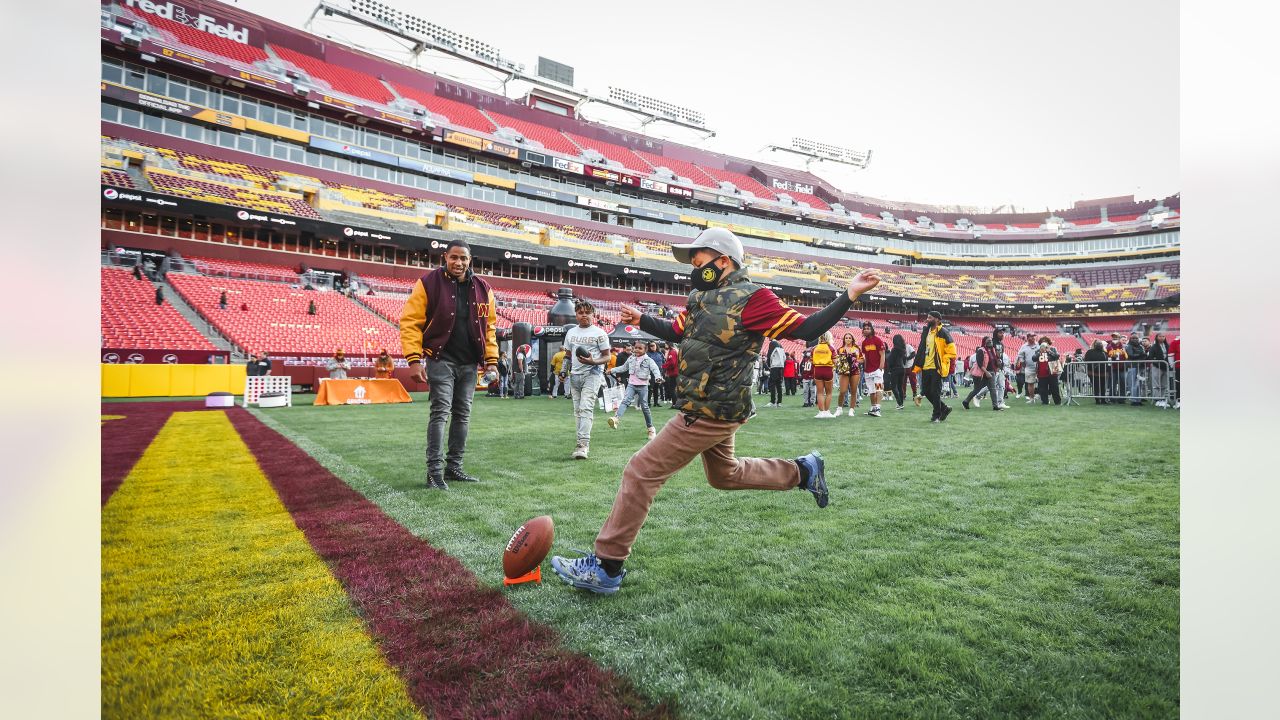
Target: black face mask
(707,277)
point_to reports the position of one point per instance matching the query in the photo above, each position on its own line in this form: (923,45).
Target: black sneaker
(946,410)
(458,475)
(965,404)
(436,483)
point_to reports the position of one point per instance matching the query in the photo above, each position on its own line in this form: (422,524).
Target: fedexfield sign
(199,21)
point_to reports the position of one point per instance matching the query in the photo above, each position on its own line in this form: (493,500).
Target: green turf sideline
(997,565)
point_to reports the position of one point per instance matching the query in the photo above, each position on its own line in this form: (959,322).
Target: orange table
(361,391)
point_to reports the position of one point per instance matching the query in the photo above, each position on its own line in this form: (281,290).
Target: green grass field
(1021,564)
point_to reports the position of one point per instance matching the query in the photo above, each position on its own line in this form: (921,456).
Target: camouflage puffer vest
(717,356)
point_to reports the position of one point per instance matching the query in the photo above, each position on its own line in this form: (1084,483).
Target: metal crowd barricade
(1119,381)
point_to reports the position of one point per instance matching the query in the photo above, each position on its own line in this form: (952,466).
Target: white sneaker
(977,403)
(824,414)
(851,410)
(837,412)
(1003,406)
(580,452)
(653,433)
(613,422)
(1177,405)
(1029,400)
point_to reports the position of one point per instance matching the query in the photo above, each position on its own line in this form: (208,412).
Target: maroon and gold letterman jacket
(426,322)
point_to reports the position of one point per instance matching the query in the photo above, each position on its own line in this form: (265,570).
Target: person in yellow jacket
(557,378)
(449,326)
(935,360)
(823,357)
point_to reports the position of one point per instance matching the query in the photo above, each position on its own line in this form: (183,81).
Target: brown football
(528,546)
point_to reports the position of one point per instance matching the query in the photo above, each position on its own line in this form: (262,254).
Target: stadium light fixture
(812,150)
(656,106)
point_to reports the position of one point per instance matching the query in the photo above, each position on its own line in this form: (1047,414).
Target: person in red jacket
(789,372)
(670,371)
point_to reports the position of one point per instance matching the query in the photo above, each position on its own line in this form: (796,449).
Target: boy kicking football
(720,334)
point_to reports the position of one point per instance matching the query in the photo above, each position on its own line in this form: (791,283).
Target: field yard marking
(395,502)
(463,649)
(126,432)
(213,603)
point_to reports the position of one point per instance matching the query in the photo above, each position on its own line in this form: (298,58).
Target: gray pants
(810,393)
(452,386)
(1131,381)
(517,384)
(584,389)
(995,389)
(638,395)
(1158,388)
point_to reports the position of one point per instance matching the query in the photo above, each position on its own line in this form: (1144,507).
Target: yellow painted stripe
(213,603)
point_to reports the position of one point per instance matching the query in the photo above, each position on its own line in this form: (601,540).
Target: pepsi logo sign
(136,358)
(111,358)
(110,194)
(243,215)
(506,254)
(170,358)
(347,231)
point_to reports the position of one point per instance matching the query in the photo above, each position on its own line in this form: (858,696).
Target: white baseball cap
(716,238)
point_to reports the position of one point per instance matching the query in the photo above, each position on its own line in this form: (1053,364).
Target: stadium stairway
(139,180)
(361,304)
(174,298)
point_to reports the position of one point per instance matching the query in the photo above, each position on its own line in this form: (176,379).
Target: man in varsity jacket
(720,333)
(447,328)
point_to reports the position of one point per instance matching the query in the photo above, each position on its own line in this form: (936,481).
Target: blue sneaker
(816,466)
(587,574)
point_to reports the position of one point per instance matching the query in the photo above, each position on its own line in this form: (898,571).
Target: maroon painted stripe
(124,440)
(462,649)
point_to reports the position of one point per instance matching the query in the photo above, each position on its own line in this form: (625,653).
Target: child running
(641,372)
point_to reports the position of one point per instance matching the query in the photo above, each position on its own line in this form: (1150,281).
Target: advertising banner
(171,106)
(193,15)
(545,193)
(600,173)
(152,356)
(153,202)
(460,138)
(436,170)
(568,166)
(355,151)
(600,204)
(497,148)
(654,214)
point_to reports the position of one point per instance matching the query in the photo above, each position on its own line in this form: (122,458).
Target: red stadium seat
(132,320)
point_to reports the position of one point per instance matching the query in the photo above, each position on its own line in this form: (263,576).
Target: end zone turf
(209,602)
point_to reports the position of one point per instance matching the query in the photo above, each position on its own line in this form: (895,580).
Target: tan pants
(674,447)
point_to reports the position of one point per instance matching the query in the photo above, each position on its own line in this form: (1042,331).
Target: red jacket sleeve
(766,314)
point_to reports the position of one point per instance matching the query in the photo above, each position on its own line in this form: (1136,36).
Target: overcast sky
(1003,102)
